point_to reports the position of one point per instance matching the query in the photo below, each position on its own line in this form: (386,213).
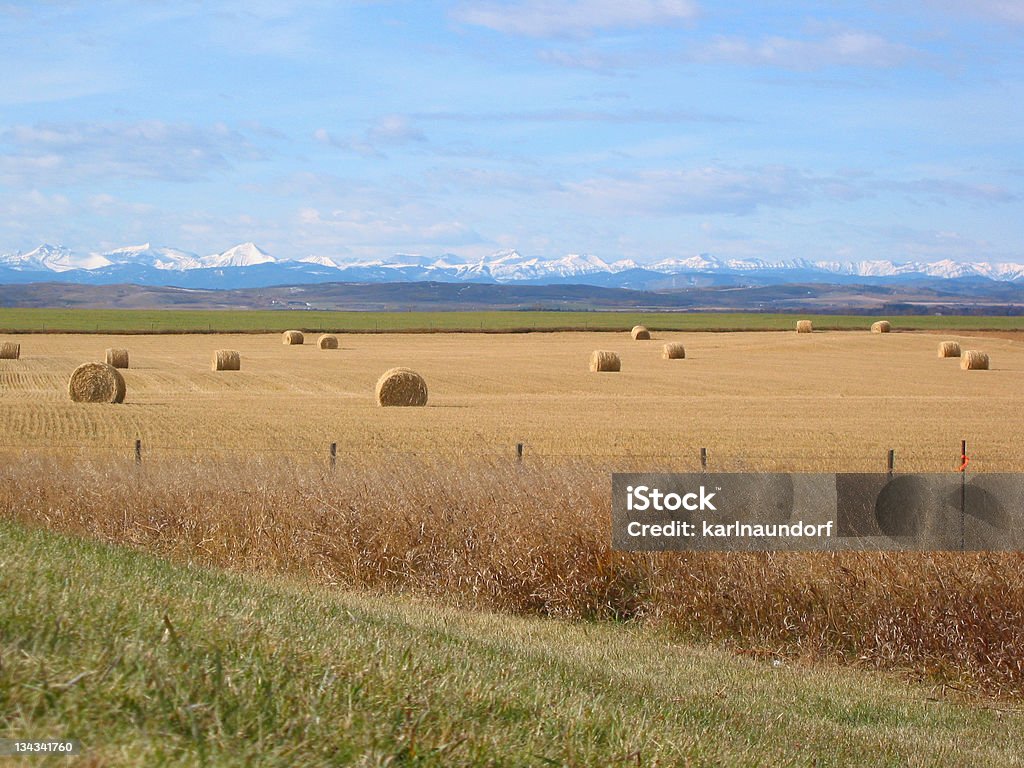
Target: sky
(641,130)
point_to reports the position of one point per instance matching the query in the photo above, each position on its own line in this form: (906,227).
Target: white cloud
(540,18)
(842,49)
(399,228)
(594,61)
(741,191)
(394,129)
(564,115)
(71,153)
(945,189)
(390,130)
(1011,11)
(711,189)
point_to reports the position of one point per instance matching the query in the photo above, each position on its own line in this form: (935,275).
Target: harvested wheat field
(834,400)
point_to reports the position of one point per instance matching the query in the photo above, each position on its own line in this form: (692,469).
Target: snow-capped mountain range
(247,265)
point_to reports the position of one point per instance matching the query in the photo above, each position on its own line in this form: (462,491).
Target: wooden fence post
(963,491)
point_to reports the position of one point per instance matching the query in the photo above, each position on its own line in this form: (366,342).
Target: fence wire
(928,458)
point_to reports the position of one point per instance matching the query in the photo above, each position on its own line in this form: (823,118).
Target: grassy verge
(230,321)
(535,540)
(156,664)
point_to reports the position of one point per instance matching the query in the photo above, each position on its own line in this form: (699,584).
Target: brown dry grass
(825,401)
(534,539)
(417,506)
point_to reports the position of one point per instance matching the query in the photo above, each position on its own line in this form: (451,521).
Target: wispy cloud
(741,191)
(588,59)
(1010,11)
(31,216)
(399,229)
(72,153)
(561,115)
(842,49)
(710,189)
(942,190)
(388,131)
(541,18)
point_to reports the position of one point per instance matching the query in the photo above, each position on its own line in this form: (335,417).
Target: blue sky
(644,129)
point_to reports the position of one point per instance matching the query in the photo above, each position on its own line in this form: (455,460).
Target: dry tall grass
(535,539)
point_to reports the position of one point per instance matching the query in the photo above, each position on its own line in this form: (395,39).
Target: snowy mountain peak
(243,255)
(51,258)
(323,261)
(159,257)
(505,266)
(510,265)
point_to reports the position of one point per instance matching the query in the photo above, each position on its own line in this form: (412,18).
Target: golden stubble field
(767,400)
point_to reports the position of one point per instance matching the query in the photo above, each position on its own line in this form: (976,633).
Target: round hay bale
(10,350)
(640,333)
(226,360)
(674,350)
(401,386)
(804,326)
(292,337)
(117,357)
(882,326)
(602,360)
(974,360)
(327,341)
(949,349)
(96,383)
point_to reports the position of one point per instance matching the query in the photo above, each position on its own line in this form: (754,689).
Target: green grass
(190,321)
(149,663)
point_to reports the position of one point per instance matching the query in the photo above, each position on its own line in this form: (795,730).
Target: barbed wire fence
(334,456)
